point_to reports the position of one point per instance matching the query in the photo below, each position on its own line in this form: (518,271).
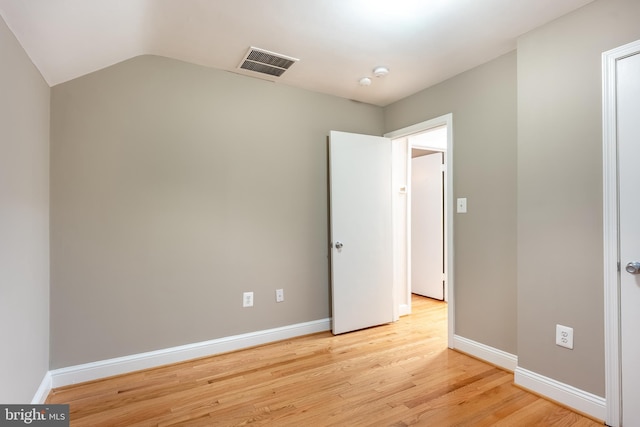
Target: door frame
(445,120)
(613,384)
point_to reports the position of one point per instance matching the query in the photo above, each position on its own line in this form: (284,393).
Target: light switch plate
(461,205)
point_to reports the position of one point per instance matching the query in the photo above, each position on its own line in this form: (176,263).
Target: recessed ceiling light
(365,81)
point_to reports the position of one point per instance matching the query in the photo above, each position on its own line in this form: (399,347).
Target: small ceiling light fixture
(380,71)
(365,81)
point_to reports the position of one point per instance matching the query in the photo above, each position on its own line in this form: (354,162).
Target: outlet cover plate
(247,299)
(279,295)
(564,336)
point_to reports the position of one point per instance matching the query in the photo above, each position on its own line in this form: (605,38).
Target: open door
(361,231)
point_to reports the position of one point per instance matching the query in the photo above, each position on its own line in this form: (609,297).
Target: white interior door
(628,95)
(361,231)
(427,226)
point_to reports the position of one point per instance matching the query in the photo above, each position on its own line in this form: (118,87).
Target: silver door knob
(339,245)
(633,267)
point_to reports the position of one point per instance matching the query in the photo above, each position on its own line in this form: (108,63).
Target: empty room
(206,211)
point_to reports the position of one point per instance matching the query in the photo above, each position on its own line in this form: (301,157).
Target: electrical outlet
(564,336)
(279,295)
(247,299)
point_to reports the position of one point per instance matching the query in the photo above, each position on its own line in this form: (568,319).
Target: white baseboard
(121,365)
(565,394)
(484,352)
(43,390)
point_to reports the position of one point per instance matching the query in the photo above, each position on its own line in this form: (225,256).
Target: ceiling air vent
(265,62)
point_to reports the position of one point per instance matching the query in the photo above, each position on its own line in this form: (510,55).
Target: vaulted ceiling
(337,42)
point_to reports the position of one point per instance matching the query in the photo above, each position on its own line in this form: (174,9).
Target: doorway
(436,136)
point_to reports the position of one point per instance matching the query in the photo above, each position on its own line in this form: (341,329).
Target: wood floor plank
(399,375)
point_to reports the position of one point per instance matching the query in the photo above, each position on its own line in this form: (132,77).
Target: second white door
(628,96)
(427,226)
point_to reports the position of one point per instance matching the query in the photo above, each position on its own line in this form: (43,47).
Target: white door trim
(447,120)
(610,228)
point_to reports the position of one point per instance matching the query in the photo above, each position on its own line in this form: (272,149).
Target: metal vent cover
(265,62)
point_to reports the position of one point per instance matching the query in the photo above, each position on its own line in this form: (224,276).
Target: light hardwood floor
(393,375)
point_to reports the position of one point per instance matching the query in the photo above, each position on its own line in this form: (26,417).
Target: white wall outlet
(564,336)
(247,299)
(461,205)
(279,295)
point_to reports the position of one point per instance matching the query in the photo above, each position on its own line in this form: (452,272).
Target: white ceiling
(422,42)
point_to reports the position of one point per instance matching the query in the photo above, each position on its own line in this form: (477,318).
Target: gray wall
(483,103)
(174,189)
(560,252)
(24,223)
